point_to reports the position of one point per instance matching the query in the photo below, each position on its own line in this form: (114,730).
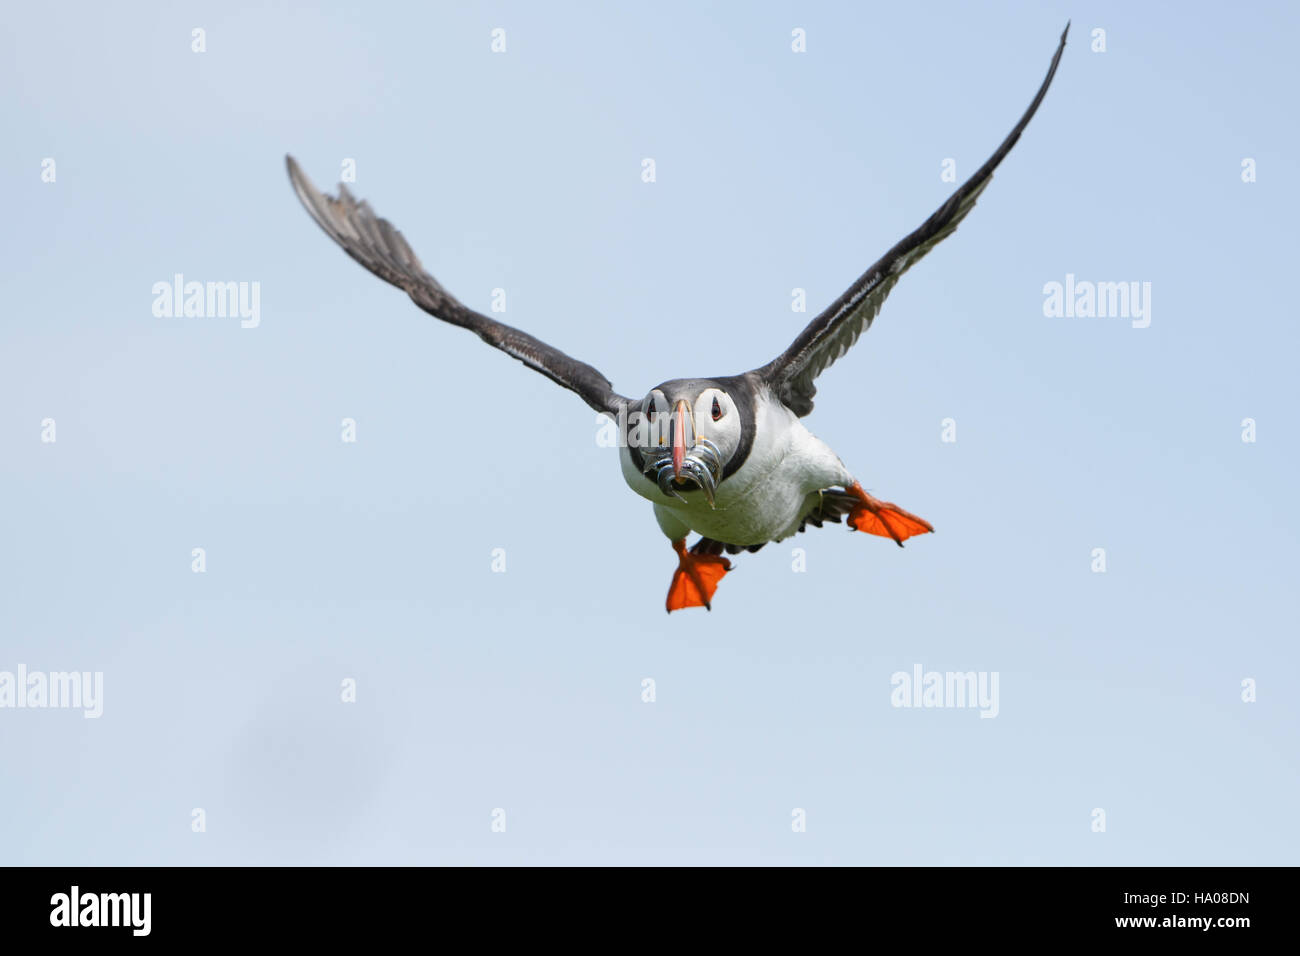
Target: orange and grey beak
(679,437)
(690,461)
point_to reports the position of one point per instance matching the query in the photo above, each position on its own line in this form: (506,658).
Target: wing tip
(297,178)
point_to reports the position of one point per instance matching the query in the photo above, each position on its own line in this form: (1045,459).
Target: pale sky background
(522,690)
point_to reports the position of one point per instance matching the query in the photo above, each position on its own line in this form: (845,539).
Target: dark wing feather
(379,247)
(831,334)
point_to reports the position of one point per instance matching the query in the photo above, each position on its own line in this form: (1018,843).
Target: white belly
(767,498)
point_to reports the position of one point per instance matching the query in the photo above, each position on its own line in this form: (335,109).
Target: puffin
(726,458)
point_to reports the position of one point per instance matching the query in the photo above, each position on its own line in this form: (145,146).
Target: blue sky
(372,561)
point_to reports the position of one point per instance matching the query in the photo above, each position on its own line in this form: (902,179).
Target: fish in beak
(690,461)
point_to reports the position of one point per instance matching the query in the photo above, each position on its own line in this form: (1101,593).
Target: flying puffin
(726,458)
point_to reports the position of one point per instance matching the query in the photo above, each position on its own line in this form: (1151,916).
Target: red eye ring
(717,409)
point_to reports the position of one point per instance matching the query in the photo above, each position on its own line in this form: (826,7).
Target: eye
(717,409)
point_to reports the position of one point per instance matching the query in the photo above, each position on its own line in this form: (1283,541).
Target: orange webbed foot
(883,518)
(696,578)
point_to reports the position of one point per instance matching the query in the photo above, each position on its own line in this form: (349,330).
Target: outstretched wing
(379,247)
(831,334)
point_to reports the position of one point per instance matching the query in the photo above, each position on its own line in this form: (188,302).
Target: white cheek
(733,434)
(725,434)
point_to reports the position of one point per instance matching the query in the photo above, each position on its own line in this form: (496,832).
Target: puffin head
(694,428)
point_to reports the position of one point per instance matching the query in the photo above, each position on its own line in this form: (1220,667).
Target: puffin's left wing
(833,333)
(379,247)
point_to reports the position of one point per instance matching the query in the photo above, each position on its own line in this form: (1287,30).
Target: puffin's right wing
(379,247)
(831,334)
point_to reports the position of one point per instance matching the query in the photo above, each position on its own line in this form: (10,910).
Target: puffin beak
(679,438)
(691,460)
